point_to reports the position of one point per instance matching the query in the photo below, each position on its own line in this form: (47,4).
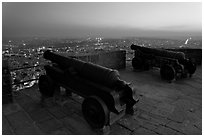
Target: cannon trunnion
(173,65)
(105,94)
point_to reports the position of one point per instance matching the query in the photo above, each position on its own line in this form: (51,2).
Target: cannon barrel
(159,52)
(93,72)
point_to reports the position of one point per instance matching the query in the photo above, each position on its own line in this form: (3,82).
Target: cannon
(173,65)
(106,97)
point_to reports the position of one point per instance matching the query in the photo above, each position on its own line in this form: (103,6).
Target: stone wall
(109,59)
(117,59)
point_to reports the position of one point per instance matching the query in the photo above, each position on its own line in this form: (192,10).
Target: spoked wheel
(95,112)
(179,69)
(167,72)
(137,63)
(46,86)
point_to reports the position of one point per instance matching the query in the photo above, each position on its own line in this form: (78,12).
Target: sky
(105,19)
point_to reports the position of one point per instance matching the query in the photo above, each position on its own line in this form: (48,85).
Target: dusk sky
(105,19)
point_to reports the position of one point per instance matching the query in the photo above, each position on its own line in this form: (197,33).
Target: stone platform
(164,108)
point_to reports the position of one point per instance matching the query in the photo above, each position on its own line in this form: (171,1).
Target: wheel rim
(167,72)
(95,112)
(137,63)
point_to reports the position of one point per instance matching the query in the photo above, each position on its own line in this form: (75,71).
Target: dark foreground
(164,108)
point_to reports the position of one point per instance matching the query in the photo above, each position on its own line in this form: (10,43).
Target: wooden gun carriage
(173,65)
(102,89)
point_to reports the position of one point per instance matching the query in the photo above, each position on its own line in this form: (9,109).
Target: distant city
(26,61)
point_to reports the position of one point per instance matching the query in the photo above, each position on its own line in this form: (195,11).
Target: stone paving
(164,109)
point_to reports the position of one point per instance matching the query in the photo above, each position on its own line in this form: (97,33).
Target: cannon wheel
(95,112)
(137,63)
(179,69)
(167,72)
(46,86)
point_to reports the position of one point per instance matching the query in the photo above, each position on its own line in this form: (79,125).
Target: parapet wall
(117,59)
(110,59)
